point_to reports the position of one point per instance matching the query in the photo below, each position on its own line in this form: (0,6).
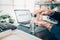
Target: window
(24,4)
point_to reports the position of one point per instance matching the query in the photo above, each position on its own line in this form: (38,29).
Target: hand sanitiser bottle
(49,19)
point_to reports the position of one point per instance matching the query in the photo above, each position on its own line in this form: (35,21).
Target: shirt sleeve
(56,16)
(55,30)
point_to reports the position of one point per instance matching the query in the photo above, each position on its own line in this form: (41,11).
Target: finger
(48,12)
(39,11)
(40,23)
(52,11)
(37,21)
(40,17)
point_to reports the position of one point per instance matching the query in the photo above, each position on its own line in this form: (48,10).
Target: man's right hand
(38,20)
(44,11)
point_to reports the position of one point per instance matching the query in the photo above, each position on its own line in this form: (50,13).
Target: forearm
(49,26)
(56,16)
(56,31)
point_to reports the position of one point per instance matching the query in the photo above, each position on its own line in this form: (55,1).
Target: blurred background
(21,13)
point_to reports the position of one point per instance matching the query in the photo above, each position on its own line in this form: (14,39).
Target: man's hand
(44,11)
(43,23)
(38,20)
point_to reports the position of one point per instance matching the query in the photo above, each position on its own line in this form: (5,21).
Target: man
(53,28)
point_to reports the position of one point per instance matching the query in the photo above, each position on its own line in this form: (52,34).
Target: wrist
(49,26)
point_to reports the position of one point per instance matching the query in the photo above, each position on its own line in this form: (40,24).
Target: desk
(20,35)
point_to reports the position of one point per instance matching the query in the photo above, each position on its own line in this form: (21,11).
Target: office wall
(6,7)
(24,4)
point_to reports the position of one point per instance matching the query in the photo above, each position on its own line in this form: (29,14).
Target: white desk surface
(21,35)
(25,35)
